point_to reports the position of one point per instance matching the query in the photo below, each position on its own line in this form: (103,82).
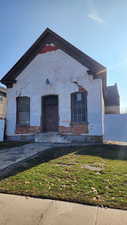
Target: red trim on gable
(48,48)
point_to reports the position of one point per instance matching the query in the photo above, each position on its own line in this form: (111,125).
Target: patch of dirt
(93,168)
(66,164)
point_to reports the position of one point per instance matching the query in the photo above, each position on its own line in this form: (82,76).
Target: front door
(50,113)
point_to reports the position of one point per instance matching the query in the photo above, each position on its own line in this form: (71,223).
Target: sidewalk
(29,211)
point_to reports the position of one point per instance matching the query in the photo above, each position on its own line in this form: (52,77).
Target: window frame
(18,122)
(82,108)
(1,99)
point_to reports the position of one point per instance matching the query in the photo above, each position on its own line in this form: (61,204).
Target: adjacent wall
(2,123)
(115,127)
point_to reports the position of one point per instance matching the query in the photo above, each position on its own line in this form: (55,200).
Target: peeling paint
(61,70)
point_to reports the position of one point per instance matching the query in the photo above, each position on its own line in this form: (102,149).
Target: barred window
(79,107)
(23,111)
(1,99)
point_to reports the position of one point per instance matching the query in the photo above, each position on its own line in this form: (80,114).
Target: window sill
(22,126)
(79,123)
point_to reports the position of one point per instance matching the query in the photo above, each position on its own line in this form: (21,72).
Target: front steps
(54,137)
(51,137)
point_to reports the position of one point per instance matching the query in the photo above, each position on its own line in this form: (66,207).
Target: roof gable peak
(48,37)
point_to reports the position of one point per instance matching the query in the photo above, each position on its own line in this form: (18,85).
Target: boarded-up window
(79,107)
(23,111)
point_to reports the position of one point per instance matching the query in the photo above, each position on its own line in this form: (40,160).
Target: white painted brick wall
(61,70)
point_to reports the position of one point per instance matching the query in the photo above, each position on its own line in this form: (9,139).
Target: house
(112,100)
(3,101)
(56,88)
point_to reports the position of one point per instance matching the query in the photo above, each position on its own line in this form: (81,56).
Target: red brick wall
(25,130)
(64,130)
(81,89)
(75,129)
(78,129)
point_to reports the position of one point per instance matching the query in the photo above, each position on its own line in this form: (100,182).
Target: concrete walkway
(29,211)
(15,158)
(14,155)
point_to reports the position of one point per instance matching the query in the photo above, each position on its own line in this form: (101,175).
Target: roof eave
(95,67)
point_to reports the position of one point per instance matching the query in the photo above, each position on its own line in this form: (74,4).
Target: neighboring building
(55,87)
(3,102)
(112,102)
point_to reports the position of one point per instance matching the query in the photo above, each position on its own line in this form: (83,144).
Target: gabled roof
(48,37)
(112,96)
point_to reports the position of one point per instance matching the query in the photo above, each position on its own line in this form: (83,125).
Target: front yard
(92,174)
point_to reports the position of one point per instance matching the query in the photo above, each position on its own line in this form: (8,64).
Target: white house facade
(55,87)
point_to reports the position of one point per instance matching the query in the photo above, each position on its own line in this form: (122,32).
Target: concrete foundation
(53,137)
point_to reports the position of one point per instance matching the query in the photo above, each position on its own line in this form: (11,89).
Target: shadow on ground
(107,151)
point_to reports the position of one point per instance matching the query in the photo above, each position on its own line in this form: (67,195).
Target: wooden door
(50,113)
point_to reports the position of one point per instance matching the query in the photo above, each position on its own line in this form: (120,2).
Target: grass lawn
(92,174)
(11,144)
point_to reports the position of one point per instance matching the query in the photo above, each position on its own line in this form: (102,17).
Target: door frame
(43,116)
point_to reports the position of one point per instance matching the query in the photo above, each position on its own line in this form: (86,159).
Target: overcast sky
(97,27)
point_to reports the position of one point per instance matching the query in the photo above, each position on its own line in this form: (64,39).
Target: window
(23,111)
(79,107)
(1,99)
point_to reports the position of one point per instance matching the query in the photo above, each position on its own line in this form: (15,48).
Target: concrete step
(51,137)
